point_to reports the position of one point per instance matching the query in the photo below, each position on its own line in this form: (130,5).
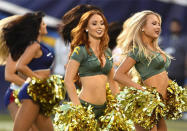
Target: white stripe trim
(179,2)
(15,9)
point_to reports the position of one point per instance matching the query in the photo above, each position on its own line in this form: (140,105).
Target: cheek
(149,29)
(91,28)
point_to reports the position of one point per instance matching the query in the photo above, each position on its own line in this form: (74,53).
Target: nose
(158,26)
(100,25)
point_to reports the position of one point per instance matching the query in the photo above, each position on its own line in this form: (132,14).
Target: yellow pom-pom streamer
(47,93)
(144,108)
(74,118)
(176,101)
(114,118)
(15,94)
(78,118)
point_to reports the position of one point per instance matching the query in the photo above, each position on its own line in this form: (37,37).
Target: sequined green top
(90,64)
(146,68)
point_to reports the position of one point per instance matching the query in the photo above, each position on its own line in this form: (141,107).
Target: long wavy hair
(130,37)
(4,51)
(22,32)
(80,36)
(71,19)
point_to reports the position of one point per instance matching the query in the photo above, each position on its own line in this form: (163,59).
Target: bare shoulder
(34,46)
(10,60)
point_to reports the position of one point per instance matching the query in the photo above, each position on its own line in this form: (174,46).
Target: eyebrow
(99,21)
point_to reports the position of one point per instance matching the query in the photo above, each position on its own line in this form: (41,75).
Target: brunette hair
(22,32)
(80,36)
(71,19)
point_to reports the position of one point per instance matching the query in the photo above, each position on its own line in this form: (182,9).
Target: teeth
(157,32)
(99,31)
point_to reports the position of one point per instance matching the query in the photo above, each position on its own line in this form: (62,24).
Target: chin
(100,36)
(155,37)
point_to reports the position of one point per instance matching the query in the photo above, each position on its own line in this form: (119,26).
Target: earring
(86,30)
(142,30)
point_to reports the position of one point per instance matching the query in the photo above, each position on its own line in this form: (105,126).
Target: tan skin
(151,30)
(28,113)
(11,76)
(93,87)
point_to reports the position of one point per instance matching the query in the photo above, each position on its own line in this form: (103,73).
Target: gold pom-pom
(114,118)
(144,108)
(15,94)
(74,118)
(176,101)
(47,93)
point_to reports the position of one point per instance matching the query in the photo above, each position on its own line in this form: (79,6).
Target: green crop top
(89,64)
(146,69)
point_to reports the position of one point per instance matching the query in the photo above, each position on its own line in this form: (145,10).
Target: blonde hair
(130,37)
(4,51)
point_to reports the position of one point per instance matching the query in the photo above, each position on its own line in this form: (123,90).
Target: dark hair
(114,29)
(22,32)
(71,19)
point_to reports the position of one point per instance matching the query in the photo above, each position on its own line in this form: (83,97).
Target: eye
(102,23)
(94,23)
(154,23)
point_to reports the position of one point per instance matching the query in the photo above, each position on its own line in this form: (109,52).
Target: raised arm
(10,72)
(121,74)
(71,71)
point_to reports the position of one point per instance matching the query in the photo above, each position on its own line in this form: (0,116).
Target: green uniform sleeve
(134,54)
(78,54)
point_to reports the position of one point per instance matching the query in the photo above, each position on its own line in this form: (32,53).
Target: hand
(141,88)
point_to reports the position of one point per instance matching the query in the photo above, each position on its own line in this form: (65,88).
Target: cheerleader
(11,74)
(22,37)
(139,41)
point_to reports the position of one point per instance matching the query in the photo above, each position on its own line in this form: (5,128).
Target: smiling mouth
(157,32)
(99,32)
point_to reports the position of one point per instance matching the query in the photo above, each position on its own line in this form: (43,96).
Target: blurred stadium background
(114,10)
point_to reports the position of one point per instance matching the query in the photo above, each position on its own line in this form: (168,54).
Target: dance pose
(10,70)
(139,40)
(69,21)
(22,37)
(89,62)
(11,74)
(90,58)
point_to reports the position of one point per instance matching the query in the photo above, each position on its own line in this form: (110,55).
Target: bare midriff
(94,89)
(160,81)
(43,73)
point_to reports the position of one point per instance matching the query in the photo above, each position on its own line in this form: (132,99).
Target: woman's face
(95,27)
(43,29)
(152,27)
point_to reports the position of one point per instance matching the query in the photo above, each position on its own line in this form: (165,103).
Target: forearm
(124,79)
(114,87)
(72,92)
(27,71)
(15,79)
